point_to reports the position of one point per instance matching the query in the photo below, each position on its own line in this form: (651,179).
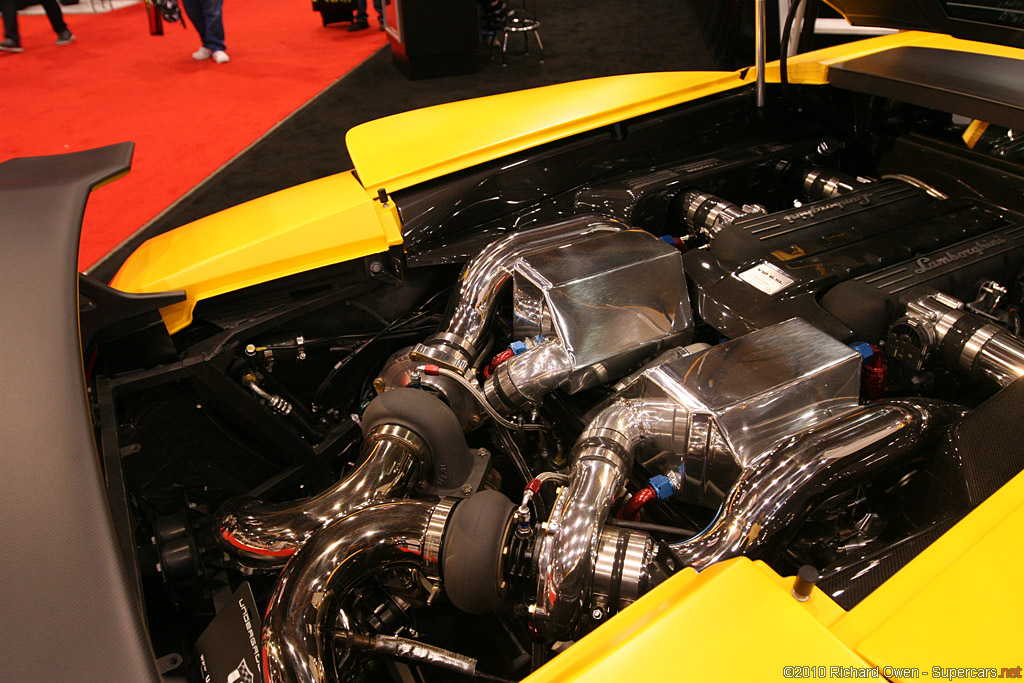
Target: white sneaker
(221,57)
(202,53)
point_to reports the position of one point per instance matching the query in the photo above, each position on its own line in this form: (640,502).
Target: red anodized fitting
(875,371)
(498,360)
(631,510)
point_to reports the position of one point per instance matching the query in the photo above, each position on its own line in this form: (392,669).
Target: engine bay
(692,337)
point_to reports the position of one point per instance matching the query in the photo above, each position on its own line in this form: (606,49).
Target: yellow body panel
(959,604)
(407,149)
(338,218)
(309,226)
(735,621)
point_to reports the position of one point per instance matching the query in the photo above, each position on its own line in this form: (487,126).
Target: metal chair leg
(540,45)
(504,49)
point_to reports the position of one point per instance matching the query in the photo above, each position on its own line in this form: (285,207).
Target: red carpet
(187,118)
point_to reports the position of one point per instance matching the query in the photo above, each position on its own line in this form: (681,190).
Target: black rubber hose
(787,30)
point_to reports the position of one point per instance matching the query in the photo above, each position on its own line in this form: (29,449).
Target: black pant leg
(9,8)
(55,16)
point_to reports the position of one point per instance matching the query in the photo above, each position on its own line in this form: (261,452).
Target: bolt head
(467,489)
(376,267)
(598,614)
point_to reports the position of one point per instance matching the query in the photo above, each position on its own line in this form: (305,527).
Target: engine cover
(765,269)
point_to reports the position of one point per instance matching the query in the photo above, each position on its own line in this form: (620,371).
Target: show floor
(582,38)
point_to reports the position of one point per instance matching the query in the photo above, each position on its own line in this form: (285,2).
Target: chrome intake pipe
(965,341)
(528,377)
(458,344)
(258,534)
(407,433)
(297,641)
(570,544)
(805,468)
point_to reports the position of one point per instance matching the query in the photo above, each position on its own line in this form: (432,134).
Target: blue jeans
(361,10)
(206,17)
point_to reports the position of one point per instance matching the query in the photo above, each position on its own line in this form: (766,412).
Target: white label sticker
(767,277)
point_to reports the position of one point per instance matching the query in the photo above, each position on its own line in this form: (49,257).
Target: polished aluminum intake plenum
(459,342)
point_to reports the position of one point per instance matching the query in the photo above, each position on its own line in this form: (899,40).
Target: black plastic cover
(868,303)
(958,18)
(766,269)
(980,86)
(64,588)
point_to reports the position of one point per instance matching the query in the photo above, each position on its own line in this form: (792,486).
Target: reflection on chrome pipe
(801,470)
(965,341)
(458,344)
(569,547)
(526,378)
(707,214)
(296,642)
(824,183)
(258,534)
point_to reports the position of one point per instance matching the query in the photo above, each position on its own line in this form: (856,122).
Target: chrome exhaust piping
(406,433)
(297,641)
(773,493)
(570,543)
(458,344)
(258,534)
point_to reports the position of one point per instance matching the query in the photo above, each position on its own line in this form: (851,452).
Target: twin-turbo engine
(759,426)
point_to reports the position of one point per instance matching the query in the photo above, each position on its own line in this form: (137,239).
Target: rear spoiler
(65,587)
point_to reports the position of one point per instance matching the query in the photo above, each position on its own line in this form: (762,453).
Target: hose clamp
(433,535)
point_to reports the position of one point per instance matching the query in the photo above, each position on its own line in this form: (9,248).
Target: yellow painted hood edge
(309,226)
(406,149)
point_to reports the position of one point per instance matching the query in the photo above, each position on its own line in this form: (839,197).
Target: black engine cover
(820,261)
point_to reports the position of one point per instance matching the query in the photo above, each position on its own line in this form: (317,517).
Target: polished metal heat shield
(610,300)
(746,395)
(461,340)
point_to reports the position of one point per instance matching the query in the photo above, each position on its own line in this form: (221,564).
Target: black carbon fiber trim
(982,452)
(852,582)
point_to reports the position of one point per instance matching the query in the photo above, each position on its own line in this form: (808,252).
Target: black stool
(525,22)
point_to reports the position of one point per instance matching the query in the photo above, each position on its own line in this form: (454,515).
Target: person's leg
(55,16)
(378,5)
(194,11)
(360,12)
(213,12)
(9,8)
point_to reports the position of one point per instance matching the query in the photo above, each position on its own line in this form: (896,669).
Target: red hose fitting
(431,370)
(875,372)
(631,510)
(498,360)
(534,486)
